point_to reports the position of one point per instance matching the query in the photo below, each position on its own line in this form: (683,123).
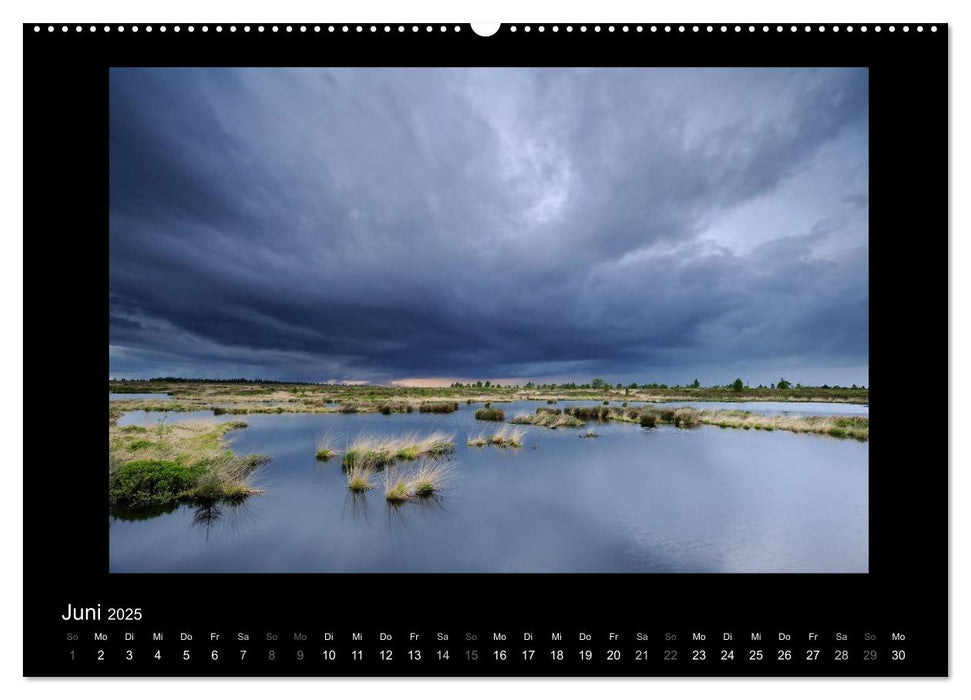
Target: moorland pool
(632,500)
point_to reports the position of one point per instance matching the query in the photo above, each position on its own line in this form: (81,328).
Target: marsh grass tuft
(438,407)
(429,478)
(419,481)
(389,407)
(359,477)
(665,415)
(548,419)
(495,414)
(585,413)
(686,418)
(648,419)
(324,446)
(381,452)
(396,487)
(507,437)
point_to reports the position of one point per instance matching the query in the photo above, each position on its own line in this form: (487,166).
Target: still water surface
(632,500)
(130,397)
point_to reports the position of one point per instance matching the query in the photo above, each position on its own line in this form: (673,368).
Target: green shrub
(150,482)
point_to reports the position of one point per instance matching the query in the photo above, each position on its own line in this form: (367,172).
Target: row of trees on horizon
(598,383)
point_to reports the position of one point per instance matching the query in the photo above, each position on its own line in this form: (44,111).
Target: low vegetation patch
(855,427)
(389,407)
(547,419)
(241,397)
(381,452)
(496,414)
(686,418)
(586,413)
(438,407)
(168,464)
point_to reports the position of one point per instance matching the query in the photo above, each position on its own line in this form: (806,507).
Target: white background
(738,11)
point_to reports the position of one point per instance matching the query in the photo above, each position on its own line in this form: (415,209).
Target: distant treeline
(598,383)
(235,380)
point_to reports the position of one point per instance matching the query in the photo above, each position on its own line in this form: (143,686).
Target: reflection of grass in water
(136,514)
(224,516)
(399,514)
(356,503)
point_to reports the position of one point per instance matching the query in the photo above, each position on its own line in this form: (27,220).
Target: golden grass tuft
(417,481)
(507,436)
(855,427)
(324,446)
(477,441)
(380,452)
(359,477)
(547,419)
(429,478)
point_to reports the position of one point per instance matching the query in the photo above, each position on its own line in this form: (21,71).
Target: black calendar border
(65,248)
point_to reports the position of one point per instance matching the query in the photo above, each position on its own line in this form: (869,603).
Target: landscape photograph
(488,320)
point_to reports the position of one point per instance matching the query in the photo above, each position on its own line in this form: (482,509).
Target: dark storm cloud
(382,224)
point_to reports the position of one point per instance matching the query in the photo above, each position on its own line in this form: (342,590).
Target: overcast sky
(393,225)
